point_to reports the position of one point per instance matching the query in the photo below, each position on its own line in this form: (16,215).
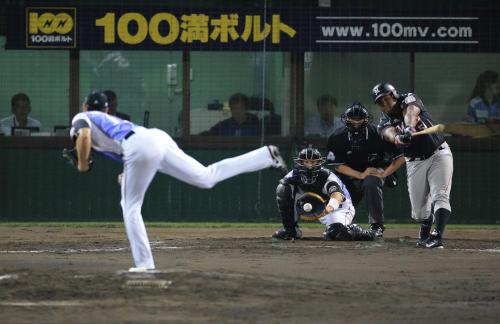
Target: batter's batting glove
(71,156)
(405,138)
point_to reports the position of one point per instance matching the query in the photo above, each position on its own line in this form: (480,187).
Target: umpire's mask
(356,118)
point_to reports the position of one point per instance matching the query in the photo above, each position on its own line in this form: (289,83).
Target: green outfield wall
(37,185)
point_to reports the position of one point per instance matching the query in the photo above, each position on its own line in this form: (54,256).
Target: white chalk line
(158,246)
(96,250)
(497,250)
(47,303)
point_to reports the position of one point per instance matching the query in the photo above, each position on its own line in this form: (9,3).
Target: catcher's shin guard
(359,234)
(285,200)
(336,232)
(353,232)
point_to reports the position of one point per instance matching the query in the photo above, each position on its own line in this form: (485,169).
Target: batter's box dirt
(243,276)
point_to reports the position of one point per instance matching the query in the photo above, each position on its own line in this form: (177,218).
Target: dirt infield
(72,275)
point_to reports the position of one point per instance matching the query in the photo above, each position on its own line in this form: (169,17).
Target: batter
(429,161)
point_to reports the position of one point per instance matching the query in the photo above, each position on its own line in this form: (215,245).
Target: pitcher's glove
(71,156)
(317,205)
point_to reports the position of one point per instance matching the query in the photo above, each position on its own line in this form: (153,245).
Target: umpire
(364,162)
(429,161)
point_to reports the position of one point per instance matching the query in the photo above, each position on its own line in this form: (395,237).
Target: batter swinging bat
(439,128)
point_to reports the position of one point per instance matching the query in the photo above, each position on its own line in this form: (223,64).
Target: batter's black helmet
(356,112)
(309,173)
(383,89)
(96,100)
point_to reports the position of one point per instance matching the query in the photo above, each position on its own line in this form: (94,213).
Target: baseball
(307,207)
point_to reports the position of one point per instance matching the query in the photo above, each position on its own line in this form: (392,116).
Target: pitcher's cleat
(279,163)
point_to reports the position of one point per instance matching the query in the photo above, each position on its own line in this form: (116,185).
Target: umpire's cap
(96,100)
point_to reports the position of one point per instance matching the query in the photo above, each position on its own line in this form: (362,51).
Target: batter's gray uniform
(429,161)
(147,151)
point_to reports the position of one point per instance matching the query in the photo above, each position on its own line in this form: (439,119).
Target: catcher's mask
(309,162)
(356,118)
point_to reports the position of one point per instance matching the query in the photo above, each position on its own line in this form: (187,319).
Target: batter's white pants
(429,183)
(152,150)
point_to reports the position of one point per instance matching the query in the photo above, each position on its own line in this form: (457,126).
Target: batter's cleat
(425,229)
(287,235)
(279,163)
(378,230)
(421,243)
(434,241)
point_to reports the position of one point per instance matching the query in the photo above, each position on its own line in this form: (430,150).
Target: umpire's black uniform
(360,151)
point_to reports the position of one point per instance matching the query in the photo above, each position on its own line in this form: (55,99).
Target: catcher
(311,192)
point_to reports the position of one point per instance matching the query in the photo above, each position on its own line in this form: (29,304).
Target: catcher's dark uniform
(360,152)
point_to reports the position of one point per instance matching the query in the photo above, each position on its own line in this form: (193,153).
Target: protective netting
(235,78)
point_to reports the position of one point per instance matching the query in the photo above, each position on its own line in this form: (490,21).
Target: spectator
(21,107)
(272,121)
(241,122)
(484,101)
(113,105)
(325,123)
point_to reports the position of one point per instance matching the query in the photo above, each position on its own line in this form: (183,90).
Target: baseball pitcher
(429,161)
(144,152)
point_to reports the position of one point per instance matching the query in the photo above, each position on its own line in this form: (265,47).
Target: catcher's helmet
(309,162)
(96,100)
(383,89)
(356,116)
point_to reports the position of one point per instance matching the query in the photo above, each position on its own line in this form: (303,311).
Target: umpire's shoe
(378,230)
(279,163)
(434,241)
(288,234)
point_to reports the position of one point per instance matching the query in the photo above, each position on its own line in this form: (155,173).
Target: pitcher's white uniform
(146,151)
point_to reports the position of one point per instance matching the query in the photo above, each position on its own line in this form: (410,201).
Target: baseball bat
(439,128)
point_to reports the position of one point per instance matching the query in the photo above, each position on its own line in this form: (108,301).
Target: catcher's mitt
(317,203)
(71,156)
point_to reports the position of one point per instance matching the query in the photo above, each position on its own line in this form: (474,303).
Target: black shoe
(421,243)
(434,241)
(425,231)
(377,229)
(279,163)
(287,235)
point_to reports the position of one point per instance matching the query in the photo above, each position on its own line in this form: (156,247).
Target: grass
(218,225)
